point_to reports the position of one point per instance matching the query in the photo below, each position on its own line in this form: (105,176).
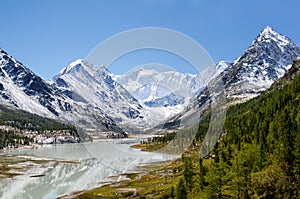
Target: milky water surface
(80,166)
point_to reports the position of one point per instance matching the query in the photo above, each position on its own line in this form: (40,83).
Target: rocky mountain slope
(95,86)
(266,60)
(22,89)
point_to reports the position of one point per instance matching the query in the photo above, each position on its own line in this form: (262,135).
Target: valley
(255,154)
(249,161)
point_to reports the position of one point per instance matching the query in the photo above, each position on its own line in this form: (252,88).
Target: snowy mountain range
(21,88)
(95,86)
(267,59)
(166,92)
(93,98)
(148,85)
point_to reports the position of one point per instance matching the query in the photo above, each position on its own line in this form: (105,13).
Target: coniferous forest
(259,154)
(15,122)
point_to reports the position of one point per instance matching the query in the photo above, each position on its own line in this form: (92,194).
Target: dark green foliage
(24,120)
(168,137)
(259,153)
(265,131)
(202,173)
(188,172)
(217,181)
(181,192)
(12,139)
(21,120)
(172,192)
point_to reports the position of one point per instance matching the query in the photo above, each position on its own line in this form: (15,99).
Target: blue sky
(47,35)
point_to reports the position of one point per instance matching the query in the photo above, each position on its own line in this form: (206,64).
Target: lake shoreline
(33,158)
(121,186)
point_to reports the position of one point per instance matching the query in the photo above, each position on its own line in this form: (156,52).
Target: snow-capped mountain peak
(77,66)
(23,89)
(185,84)
(71,67)
(269,34)
(97,87)
(267,59)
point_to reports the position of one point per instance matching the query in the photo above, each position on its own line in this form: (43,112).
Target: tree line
(258,155)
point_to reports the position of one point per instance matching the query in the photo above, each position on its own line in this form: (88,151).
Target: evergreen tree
(181,192)
(202,174)
(188,173)
(217,179)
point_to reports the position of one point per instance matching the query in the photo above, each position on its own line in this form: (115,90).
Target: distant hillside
(18,127)
(25,120)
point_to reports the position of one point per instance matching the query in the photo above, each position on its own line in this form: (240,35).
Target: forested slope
(258,156)
(15,125)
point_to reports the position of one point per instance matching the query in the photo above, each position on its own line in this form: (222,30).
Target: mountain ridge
(269,57)
(83,94)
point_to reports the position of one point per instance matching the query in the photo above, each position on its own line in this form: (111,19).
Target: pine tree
(217,180)
(172,194)
(181,192)
(188,173)
(202,174)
